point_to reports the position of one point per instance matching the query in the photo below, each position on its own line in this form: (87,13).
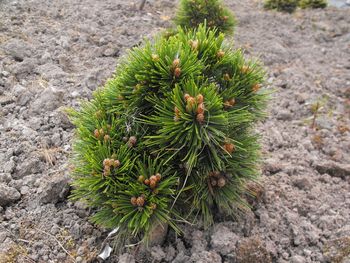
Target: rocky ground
(54,53)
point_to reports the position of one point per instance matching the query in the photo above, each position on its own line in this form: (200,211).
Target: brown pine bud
(221,182)
(153,184)
(200,98)
(153,178)
(132,140)
(140,201)
(158,177)
(176,110)
(227,105)
(200,118)
(220,54)
(232,101)
(116,163)
(177,72)
(216,173)
(245,69)
(227,77)
(256,87)
(106,162)
(191,101)
(187,96)
(200,108)
(155,57)
(107,171)
(194,44)
(102,132)
(229,147)
(147,182)
(106,138)
(225,18)
(176,63)
(133,201)
(141,178)
(153,206)
(96,133)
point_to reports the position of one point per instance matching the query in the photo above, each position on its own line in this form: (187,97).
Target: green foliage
(290,5)
(170,135)
(313,3)
(282,5)
(192,13)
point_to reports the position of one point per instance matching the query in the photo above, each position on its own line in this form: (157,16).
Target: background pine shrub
(192,13)
(282,5)
(313,3)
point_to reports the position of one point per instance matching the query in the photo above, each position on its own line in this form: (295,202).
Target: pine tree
(313,3)
(192,13)
(170,136)
(288,6)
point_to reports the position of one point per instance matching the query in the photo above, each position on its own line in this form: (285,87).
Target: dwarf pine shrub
(288,6)
(313,3)
(170,136)
(192,13)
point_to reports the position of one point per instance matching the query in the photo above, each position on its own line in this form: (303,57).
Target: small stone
(4,100)
(297,259)
(56,189)
(48,100)
(5,177)
(50,71)
(157,253)
(28,166)
(18,49)
(206,257)
(8,195)
(333,169)
(24,190)
(111,52)
(284,115)
(126,258)
(9,166)
(302,183)
(223,240)
(252,249)
(272,166)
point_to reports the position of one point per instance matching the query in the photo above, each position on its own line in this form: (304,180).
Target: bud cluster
(196,105)
(220,54)
(138,201)
(229,103)
(217,179)
(176,68)
(152,182)
(102,134)
(194,44)
(256,87)
(131,141)
(108,164)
